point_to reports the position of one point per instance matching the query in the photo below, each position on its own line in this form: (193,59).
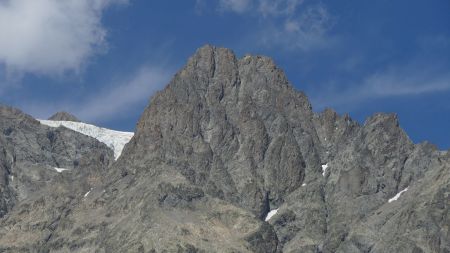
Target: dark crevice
(266,206)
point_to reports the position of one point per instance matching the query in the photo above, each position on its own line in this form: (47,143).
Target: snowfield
(116,140)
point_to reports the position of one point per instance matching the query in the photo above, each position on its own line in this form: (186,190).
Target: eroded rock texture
(224,143)
(43,173)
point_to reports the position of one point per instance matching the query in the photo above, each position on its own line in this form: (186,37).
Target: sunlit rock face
(229,157)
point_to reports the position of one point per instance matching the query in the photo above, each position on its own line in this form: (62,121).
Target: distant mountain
(229,157)
(63,116)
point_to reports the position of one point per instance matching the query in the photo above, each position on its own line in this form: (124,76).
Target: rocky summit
(228,157)
(63,116)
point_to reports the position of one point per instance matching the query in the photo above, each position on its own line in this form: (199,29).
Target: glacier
(116,140)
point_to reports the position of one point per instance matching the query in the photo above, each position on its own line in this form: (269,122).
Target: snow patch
(398,195)
(87,193)
(271,214)
(116,140)
(324,169)
(60,170)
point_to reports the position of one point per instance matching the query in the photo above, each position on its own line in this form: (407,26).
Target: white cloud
(50,36)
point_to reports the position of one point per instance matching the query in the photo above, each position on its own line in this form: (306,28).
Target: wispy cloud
(278,7)
(121,97)
(238,6)
(124,95)
(50,36)
(306,30)
(411,80)
(291,24)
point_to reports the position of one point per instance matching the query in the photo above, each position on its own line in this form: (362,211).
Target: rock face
(63,116)
(227,141)
(43,172)
(115,140)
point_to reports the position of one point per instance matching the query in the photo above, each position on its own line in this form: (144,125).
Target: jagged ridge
(230,139)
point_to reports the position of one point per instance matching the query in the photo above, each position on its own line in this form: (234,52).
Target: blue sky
(103,59)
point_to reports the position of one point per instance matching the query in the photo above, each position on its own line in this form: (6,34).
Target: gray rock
(33,194)
(224,143)
(63,116)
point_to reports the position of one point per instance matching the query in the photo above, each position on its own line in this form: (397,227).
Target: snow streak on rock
(324,169)
(271,214)
(87,193)
(398,195)
(60,170)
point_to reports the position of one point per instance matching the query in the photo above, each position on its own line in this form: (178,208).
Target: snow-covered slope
(116,140)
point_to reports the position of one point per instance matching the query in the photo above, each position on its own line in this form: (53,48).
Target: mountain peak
(63,116)
(211,62)
(229,157)
(234,112)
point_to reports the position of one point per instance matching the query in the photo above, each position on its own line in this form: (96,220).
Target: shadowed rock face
(63,116)
(227,141)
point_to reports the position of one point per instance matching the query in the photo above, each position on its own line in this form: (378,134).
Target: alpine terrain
(228,157)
